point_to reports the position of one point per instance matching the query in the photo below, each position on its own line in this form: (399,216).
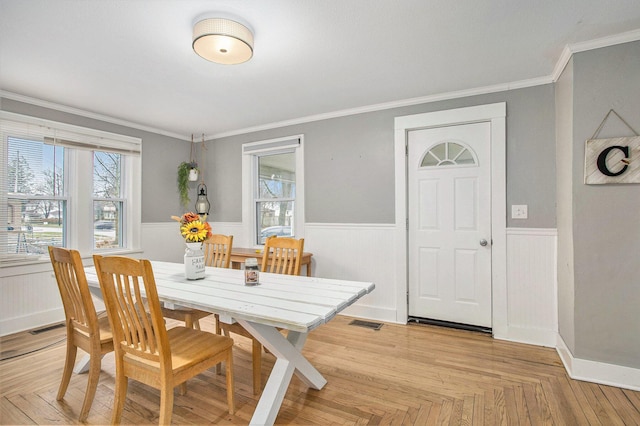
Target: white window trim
(249,161)
(80,212)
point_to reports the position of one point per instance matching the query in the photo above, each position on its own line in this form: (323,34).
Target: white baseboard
(371,313)
(598,372)
(530,336)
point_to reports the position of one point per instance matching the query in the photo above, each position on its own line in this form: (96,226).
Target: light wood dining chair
(217,250)
(85,329)
(282,255)
(145,350)
(217,253)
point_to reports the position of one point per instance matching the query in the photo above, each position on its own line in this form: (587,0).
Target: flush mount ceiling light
(223,41)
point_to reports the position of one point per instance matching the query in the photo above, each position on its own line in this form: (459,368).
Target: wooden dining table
(295,303)
(240,254)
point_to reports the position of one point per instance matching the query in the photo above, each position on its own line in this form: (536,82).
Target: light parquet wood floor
(398,375)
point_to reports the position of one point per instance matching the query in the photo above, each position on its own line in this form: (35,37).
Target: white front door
(449,211)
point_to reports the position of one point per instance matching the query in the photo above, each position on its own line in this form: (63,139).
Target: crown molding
(389,105)
(88,114)
(570,49)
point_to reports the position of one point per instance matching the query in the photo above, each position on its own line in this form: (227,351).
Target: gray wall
(349,163)
(160,158)
(606,219)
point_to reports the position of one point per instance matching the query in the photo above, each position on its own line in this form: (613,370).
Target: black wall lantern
(202,203)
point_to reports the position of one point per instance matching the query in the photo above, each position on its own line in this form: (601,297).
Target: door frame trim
(495,114)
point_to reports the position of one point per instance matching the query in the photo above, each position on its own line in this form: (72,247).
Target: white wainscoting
(30,299)
(162,240)
(348,251)
(532,308)
(360,253)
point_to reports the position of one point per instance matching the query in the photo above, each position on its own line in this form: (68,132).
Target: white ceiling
(132,60)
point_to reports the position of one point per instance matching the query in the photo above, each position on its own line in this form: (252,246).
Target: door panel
(449,195)
(429,199)
(429,272)
(465,204)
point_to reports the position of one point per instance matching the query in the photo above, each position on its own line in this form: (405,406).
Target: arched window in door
(449,154)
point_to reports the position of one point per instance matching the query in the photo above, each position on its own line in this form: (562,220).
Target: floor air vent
(42,330)
(367,324)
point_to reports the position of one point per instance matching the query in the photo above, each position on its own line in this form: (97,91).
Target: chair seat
(105,329)
(106,336)
(180,314)
(185,348)
(188,347)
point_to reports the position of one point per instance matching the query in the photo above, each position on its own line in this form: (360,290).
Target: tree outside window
(36,204)
(108,204)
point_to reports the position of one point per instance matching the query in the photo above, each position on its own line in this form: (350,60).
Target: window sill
(25,265)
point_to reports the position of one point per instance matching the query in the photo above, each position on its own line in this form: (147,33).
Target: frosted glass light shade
(222,41)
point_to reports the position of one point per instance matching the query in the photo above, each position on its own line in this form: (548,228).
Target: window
(448,154)
(272,179)
(68,186)
(275,195)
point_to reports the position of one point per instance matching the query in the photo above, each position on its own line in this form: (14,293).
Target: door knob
(483,242)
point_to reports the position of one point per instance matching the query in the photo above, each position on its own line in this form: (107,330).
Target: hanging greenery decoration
(186,172)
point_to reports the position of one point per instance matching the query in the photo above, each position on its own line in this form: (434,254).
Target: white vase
(193,175)
(194,261)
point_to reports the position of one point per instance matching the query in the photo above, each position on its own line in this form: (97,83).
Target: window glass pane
(106,174)
(107,224)
(35,216)
(274,218)
(454,150)
(35,231)
(277,176)
(275,195)
(107,203)
(440,151)
(34,168)
(465,158)
(429,160)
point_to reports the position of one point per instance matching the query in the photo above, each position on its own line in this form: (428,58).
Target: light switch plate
(519,211)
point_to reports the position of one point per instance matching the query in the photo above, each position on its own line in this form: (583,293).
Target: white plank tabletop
(296,303)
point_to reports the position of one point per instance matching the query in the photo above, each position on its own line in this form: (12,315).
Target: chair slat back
(130,295)
(217,250)
(282,255)
(79,310)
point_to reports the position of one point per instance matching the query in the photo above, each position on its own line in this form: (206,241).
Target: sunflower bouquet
(193,228)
